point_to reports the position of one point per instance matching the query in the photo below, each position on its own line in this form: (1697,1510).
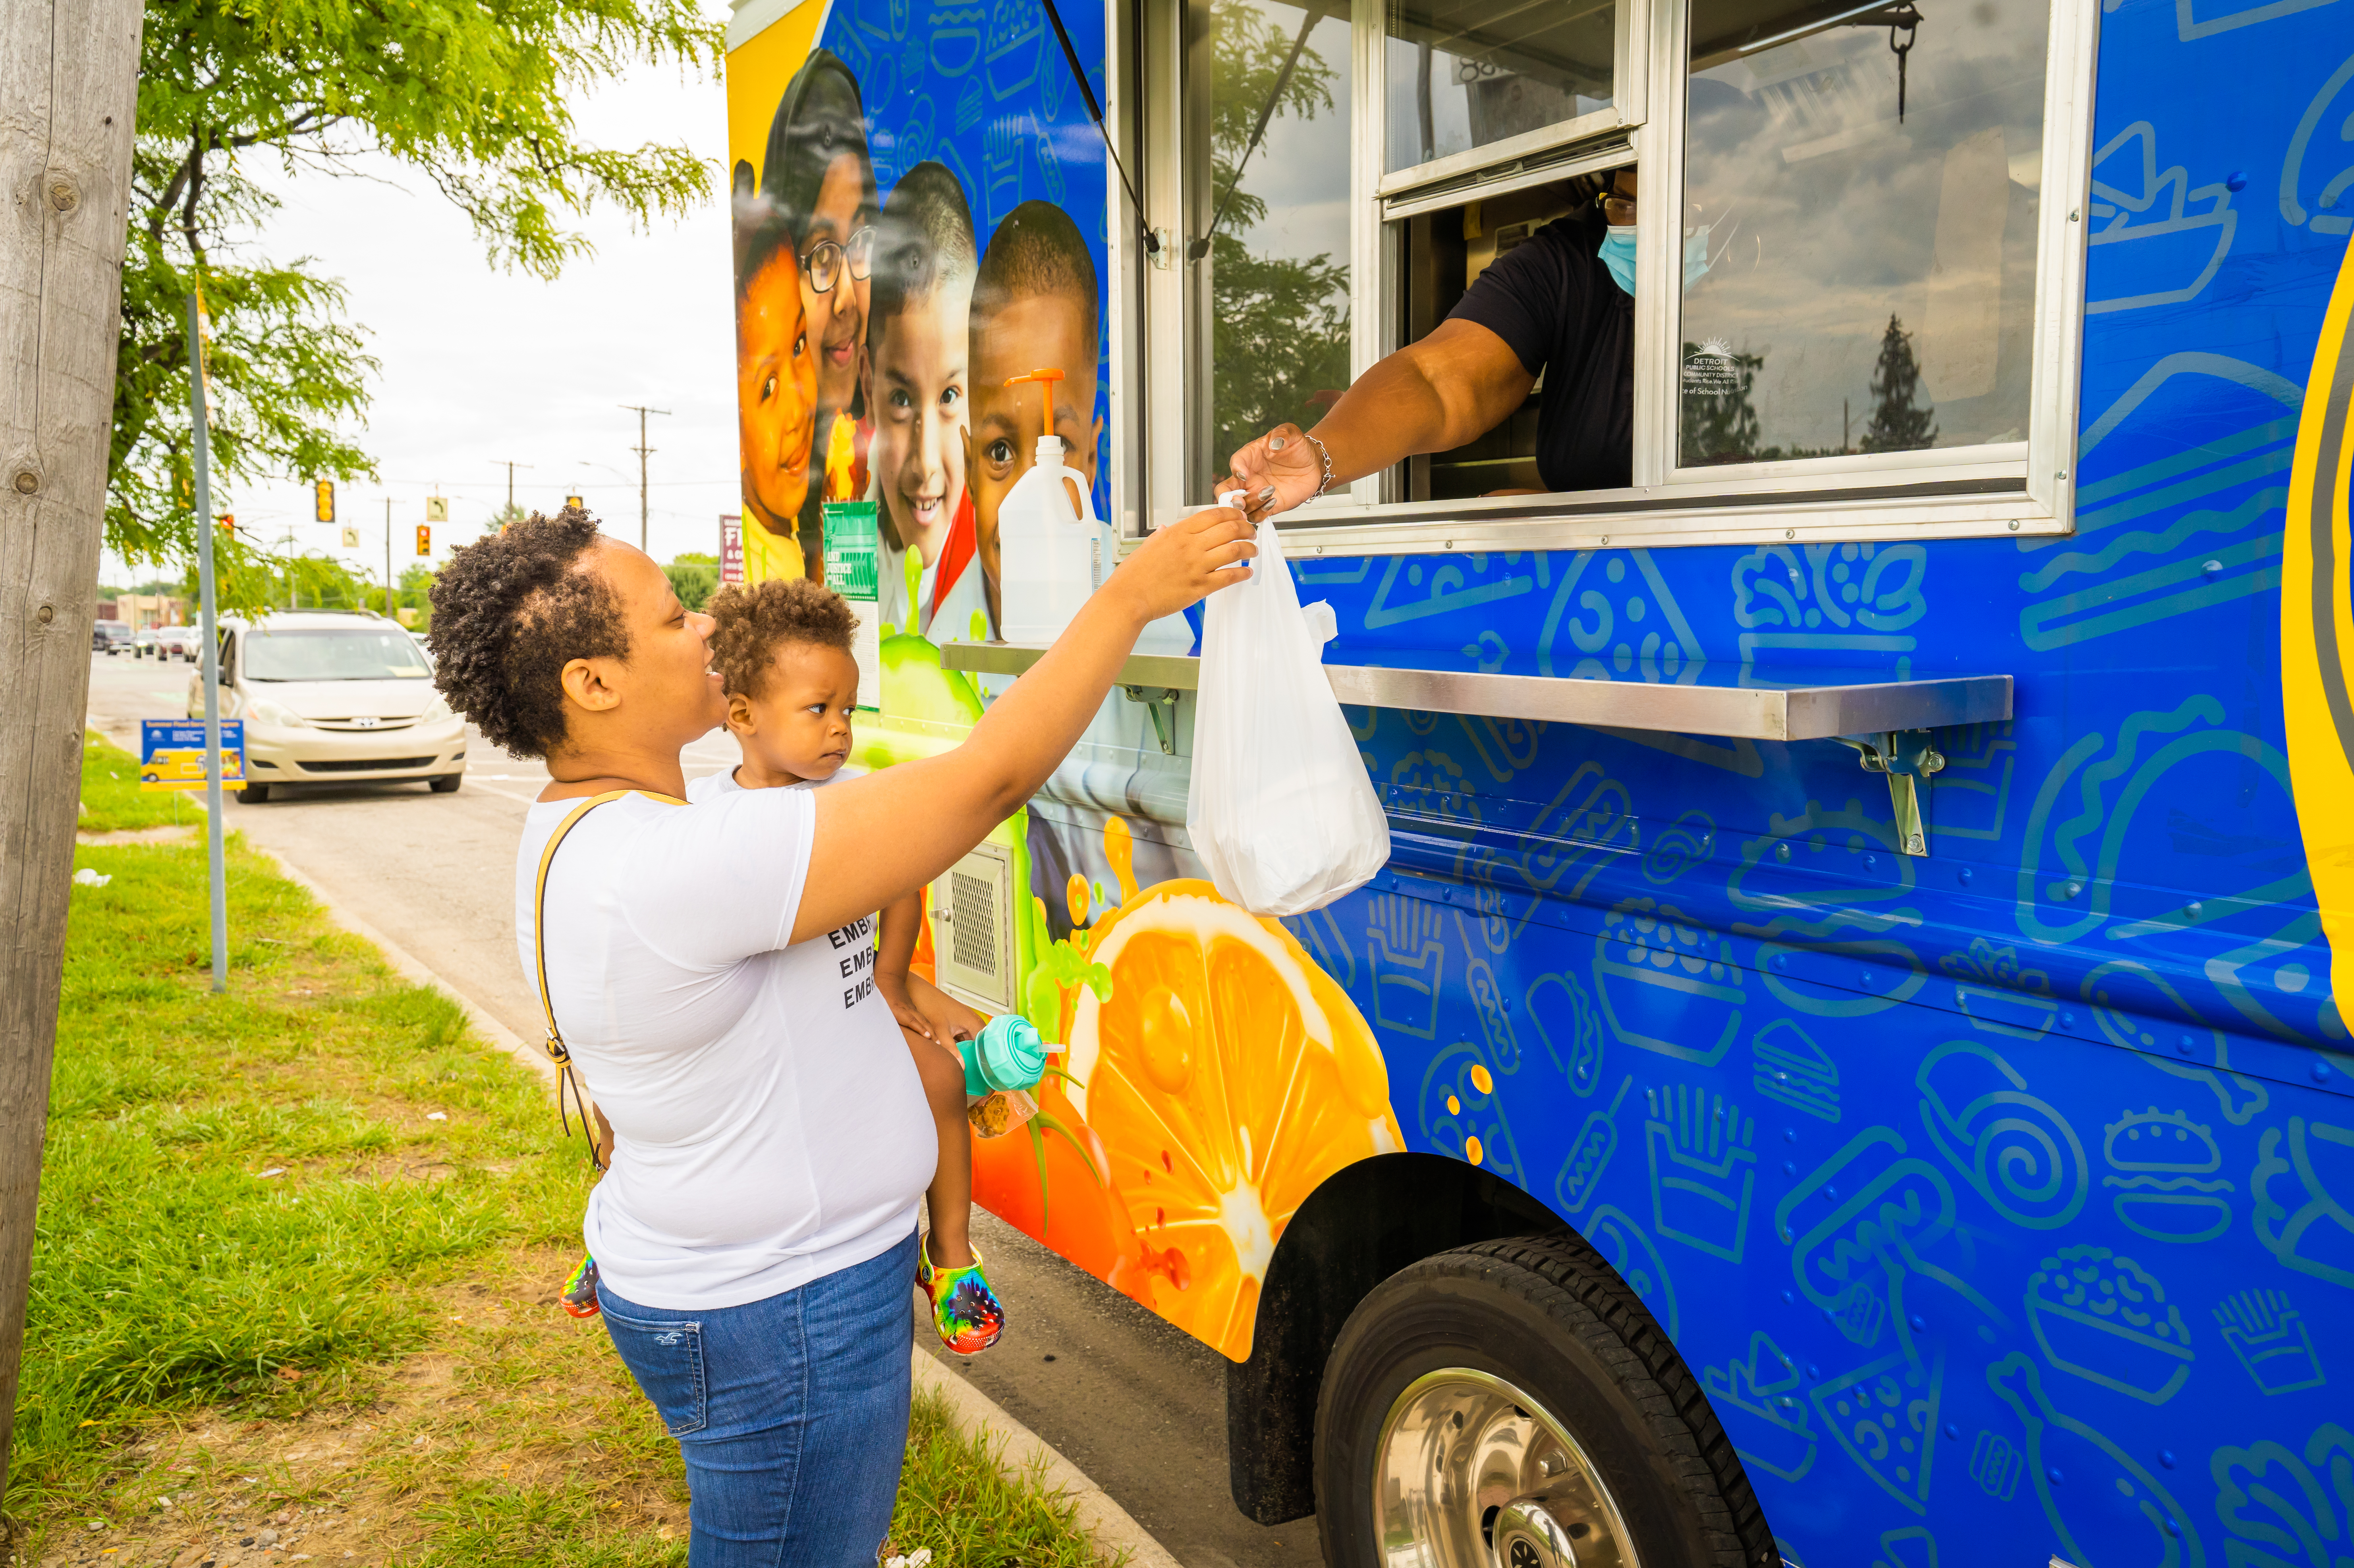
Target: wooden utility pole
(68,85)
(643,451)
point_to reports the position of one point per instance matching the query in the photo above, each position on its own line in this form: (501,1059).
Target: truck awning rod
(1095,111)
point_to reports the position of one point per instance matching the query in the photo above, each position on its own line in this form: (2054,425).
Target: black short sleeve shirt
(1554,302)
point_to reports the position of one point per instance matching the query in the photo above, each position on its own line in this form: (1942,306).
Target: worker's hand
(1276,471)
(1186,561)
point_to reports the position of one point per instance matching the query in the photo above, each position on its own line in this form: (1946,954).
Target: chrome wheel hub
(1472,1473)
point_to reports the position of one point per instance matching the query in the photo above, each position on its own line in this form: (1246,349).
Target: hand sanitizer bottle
(1049,544)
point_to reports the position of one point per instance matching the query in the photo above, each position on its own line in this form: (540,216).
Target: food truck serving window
(1856,296)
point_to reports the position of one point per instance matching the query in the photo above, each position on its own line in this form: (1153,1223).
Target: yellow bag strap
(558,1051)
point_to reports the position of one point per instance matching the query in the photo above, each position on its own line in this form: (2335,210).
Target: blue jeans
(791,1412)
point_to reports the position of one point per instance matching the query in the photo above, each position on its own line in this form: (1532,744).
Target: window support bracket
(1160,704)
(1906,756)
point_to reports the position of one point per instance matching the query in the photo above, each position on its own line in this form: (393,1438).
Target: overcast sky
(480,366)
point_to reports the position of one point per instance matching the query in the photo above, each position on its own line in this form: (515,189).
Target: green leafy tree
(1248,52)
(1899,422)
(1282,331)
(477,98)
(1282,337)
(693,576)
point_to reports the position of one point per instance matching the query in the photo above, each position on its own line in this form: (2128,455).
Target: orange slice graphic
(1226,1076)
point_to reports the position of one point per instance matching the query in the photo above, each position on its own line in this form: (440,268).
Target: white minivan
(334,696)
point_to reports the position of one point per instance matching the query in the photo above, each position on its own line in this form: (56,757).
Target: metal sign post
(217,830)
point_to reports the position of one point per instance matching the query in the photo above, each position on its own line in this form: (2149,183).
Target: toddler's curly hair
(757,618)
(510,612)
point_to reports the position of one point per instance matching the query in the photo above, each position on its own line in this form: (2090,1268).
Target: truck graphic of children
(776,396)
(916,388)
(1034,304)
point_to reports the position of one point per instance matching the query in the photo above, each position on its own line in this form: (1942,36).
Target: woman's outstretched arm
(882,835)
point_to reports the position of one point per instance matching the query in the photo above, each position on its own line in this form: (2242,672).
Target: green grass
(957,1497)
(363,1347)
(111,797)
(168,1272)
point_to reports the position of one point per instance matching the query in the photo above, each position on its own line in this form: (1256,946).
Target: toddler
(783,650)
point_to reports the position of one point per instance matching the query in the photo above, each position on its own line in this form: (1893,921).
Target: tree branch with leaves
(477,97)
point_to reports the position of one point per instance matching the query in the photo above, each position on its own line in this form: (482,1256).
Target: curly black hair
(510,612)
(755,620)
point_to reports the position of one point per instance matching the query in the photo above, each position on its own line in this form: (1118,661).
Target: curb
(1111,1525)
(417,973)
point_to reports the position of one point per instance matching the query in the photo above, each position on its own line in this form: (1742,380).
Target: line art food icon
(2105,1320)
(2268,1336)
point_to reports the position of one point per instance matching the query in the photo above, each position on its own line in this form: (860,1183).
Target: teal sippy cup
(1009,1055)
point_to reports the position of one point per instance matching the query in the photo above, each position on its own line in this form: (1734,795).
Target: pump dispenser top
(1046,379)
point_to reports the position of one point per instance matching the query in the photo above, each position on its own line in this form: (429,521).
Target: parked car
(144,642)
(109,636)
(334,696)
(183,642)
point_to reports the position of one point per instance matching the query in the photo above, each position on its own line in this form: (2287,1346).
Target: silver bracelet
(1326,457)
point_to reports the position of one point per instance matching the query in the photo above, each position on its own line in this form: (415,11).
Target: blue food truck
(1841,1064)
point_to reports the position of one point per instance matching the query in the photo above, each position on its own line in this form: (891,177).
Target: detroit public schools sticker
(1711,370)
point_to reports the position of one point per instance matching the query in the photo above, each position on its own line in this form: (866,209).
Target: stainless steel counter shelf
(1886,721)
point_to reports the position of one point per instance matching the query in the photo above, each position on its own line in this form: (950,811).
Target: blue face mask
(1618,254)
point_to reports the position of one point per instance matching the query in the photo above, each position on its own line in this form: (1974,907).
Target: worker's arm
(882,836)
(1450,388)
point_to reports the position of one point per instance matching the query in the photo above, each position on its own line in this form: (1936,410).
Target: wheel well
(1364,1224)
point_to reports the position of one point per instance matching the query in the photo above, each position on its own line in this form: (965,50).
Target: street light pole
(387,560)
(643,451)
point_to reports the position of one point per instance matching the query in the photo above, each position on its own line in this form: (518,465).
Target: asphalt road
(1138,1405)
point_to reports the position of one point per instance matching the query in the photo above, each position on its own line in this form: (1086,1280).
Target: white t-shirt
(769,1125)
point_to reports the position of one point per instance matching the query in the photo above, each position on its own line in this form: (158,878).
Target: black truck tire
(1581,1409)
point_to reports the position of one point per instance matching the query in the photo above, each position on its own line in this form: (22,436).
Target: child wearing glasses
(817,176)
(915,392)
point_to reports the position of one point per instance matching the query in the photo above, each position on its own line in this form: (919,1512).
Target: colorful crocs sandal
(964,1310)
(578,1296)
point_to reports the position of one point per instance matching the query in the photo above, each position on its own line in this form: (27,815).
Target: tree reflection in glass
(1857,278)
(1272,225)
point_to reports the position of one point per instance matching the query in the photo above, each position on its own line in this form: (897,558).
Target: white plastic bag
(1281,810)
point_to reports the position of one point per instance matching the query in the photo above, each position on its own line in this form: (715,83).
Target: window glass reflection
(1859,227)
(1268,96)
(1467,73)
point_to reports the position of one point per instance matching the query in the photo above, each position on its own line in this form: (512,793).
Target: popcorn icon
(2268,1336)
(2105,1318)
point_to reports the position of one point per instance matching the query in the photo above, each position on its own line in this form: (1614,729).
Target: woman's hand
(1186,561)
(1277,472)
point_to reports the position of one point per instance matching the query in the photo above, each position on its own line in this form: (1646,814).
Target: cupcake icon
(2104,1318)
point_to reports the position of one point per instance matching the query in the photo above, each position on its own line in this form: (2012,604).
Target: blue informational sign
(172,753)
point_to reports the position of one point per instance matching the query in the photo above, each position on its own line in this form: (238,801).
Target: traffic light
(571,501)
(424,539)
(226,521)
(326,490)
